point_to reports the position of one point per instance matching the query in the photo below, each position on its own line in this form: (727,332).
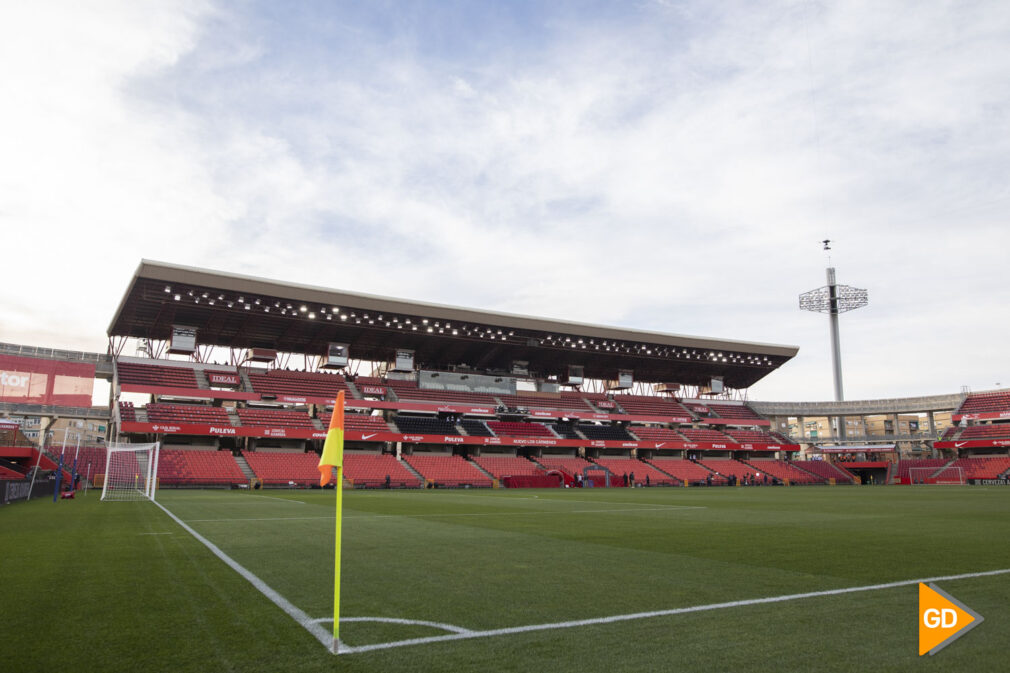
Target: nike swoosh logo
(958,445)
(364,437)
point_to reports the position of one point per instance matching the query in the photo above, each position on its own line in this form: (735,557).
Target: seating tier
(408,390)
(645,405)
(299,384)
(703,435)
(187,413)
(986,403)
(447,470)
(783,470)
(370,470)
(278,418)
(824,469)
(512,429)
(181,467)
(507,466)
(605,432)
(686,470)
(284,467)
(641,470)
(156,375)
(986,467)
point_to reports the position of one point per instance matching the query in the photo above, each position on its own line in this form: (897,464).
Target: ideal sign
(222,379)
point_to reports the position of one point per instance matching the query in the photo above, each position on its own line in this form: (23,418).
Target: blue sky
(663,165)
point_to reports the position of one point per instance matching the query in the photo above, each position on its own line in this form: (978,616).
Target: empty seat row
(513,429)
(446,470)
(187,413)
(156,375)
(310,384)
(185,467)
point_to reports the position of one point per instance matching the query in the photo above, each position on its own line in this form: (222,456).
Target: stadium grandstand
(236,376)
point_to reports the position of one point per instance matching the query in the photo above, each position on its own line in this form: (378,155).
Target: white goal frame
(918,476)
(131,471)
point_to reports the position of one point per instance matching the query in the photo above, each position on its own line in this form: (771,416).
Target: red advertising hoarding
(52,382)
(363,436)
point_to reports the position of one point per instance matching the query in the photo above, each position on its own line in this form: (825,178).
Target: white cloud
(673,170)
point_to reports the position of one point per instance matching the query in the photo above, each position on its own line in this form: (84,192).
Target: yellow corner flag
(333,448)
(333,456)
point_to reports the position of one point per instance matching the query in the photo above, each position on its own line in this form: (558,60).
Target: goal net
(946,476)
(131,472)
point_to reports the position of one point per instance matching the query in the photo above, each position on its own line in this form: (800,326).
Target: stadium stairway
(945,466)
(244,466)
(658,469)
(233,416)
(243,376)
(410,468)
(482,470)
(353,389)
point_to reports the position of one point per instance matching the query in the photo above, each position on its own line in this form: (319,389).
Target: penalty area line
(346,649)
(271,497)
(321,634)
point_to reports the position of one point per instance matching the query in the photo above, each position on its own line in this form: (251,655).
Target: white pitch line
(559,499)
(321,634)
(397,620)
(266,518)
(273,497)
(667,508)
(346,649)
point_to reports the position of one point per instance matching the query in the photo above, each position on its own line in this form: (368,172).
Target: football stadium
(502,492)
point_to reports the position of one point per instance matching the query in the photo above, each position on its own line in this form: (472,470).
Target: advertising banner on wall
(34,381)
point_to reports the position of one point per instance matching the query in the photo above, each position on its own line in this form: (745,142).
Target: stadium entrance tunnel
(869,475)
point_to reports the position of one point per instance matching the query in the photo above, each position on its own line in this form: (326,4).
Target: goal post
(131,472)
(942,476)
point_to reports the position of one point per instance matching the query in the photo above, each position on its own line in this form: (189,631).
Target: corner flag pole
(333,456)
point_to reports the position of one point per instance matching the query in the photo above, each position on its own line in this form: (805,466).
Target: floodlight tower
(834,299)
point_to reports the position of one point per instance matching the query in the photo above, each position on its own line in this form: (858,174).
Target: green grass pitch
(121,587)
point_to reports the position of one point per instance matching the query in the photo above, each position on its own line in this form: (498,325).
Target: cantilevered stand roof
(239,311)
